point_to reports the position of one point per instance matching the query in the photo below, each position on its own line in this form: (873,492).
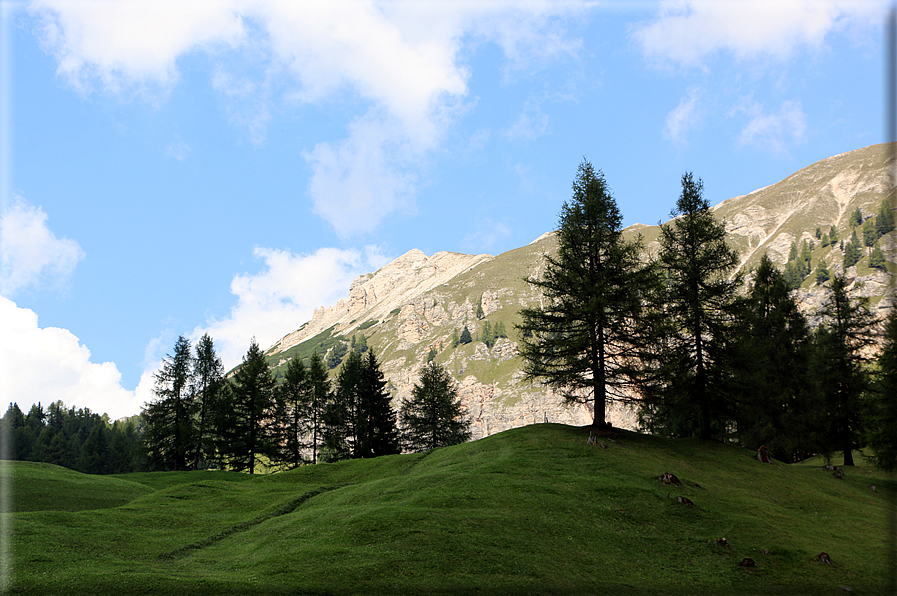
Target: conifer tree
(584,339)
(292,417)
(882,429)
(207,379)
(840,368)
(251,433)
(380,433)
(465,336)
(884,223)
(698,310)
(317,397)
(170,433)
(772,403)
(877,259)
(433,417)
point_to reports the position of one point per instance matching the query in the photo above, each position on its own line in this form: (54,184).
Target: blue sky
(220,166)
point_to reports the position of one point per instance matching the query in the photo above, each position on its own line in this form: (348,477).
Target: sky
(178,168)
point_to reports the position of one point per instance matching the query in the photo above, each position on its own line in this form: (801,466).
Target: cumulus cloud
(400,59)
(49,364)
(284,295)
(121,45)
(686,32)
(777,130)
(682,118)
(30,254)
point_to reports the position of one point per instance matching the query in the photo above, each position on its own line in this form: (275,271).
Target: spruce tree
(291,399)
(170,432)
(465,336)
(772,405)
(584,339)
(433,417)
(698,312)
(317,398)
(882,428)
(877,259)
(252,433)
(884,223)
(380,433)
(840,370)
(207,379)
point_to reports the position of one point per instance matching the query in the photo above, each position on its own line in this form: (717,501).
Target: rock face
(417,304)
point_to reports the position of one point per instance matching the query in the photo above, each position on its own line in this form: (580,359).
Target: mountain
(419,304)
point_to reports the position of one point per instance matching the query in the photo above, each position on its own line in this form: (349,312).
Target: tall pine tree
(250,430)
(170,433)
(840,369)
(693,333)
(433,417)
(583,340)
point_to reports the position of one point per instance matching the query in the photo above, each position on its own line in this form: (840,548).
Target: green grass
(533,510)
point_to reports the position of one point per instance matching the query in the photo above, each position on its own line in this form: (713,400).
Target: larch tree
(696,316)
(583,340)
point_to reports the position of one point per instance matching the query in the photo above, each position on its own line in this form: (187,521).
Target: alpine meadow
(675,409)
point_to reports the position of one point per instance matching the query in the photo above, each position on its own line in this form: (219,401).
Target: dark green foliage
(367,324)
(870,235)
(833,235)
(431,355)
(818,233)
(852,251)
(798,266)
(73,438)
(840,369)
(208,378)
(882,415)
(584,339)
(822,273)
(825,241)
(433,417)
(772,403)
(455,339)
(884,223)
(360,345)
(291,401)
(336,354)
(480,313)
(250,429)
(856,218)
(317,399)
(465,336)
(359,421)
(170,433)
(488,335)
(697,311)
(877,259)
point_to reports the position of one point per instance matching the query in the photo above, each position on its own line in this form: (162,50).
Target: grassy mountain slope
(531,510)
(416,304)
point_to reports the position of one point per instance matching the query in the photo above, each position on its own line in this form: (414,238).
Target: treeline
(700,349)
(75,438)
(200,419)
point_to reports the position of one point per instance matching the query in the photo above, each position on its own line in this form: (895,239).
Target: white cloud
(30,254)
(49,364)
(776,131)
(686,32)
(401,59)
(131,43)
(360,180)
(531,124)
(284,295)
(178,150)
(683,118)
(488,236)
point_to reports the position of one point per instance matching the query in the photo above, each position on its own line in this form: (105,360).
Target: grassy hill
(531,510)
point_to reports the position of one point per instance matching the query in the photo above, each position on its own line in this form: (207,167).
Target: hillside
(417,303)
(533,510)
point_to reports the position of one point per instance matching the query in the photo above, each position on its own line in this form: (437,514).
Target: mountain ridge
(412,309)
